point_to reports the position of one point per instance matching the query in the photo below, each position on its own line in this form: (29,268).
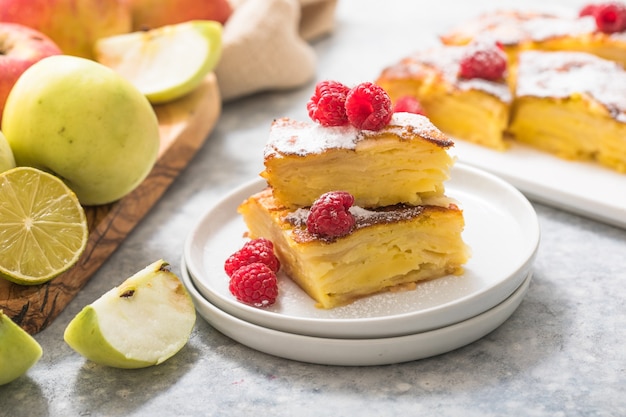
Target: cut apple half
(143,322)
(19,351)
(167,62)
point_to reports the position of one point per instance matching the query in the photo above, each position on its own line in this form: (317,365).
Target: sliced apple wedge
(143,322)
(19,351)
(167,62)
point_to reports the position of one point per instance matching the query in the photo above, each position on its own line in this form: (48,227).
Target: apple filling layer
(573,105)
(391,247)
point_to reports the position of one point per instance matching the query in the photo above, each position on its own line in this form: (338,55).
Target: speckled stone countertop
(560,354)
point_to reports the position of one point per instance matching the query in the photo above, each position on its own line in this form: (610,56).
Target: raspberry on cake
(389,248)
(472,108)
(404,162)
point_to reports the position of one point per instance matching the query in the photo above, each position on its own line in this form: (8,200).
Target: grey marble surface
(560,354)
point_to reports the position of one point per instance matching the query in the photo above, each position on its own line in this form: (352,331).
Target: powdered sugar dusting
(299,138)
(515,27)
(290,137)
(562,74)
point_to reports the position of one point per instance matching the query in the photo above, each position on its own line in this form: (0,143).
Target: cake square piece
(390,248)
(476,110)
(573,105)
(404,162)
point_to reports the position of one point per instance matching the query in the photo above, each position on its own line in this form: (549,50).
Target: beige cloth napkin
(265,44)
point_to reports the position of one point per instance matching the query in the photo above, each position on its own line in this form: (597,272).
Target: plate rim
(357,352)
(336,327)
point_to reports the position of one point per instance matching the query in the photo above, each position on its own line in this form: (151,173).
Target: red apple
(20,47)
(74,25)
(150,14)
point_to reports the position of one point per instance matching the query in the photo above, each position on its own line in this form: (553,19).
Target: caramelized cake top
(363,218)
(291,137)
(444,61)
(566,74)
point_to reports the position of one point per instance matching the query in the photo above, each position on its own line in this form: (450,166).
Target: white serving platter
(356,352)
(501,229)
(584,188)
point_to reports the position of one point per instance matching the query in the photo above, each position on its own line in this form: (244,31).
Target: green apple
(143,322)
(164,63)
(85,123)
(7,160)
(19,351)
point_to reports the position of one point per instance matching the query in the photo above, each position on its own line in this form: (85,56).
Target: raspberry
(368,107)
(327,105)
(330,216)
(610,17)
(256,250)
(483,61)
(409,104)
(254,284)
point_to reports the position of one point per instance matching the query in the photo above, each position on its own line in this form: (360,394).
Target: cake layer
(390,248)
(573,105)
(476,110)
(404,162)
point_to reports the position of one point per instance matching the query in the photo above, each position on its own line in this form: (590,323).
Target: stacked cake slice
(405,228)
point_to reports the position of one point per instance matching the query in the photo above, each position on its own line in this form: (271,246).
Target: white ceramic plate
(356,352)
(501,229)
(583,188)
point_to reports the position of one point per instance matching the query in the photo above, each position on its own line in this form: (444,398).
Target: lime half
(43,228)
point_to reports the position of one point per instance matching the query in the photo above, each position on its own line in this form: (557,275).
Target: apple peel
(19,351)
(142,322)
(164,63)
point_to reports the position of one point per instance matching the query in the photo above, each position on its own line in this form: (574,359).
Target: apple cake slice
(404,162)
(573,105)
(390,248)
(476,109)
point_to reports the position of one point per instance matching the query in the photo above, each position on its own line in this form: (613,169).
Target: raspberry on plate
(327,105)
(330,216)
(484,61)
(254,284)
(368,107)
(253,251)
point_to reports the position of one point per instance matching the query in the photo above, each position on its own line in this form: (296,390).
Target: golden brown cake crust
(296,219)
(296,138)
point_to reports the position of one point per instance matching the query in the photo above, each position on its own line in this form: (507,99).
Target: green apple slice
(143,322)
(7,161)
(167,62)
(19,351)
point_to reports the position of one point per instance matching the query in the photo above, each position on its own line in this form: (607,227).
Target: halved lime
(43,228)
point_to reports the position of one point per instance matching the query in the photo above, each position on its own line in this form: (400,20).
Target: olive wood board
(184,125)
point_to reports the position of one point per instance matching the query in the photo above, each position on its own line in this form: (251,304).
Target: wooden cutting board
(184,126)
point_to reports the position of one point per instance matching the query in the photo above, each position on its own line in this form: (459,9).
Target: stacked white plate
(439,316)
